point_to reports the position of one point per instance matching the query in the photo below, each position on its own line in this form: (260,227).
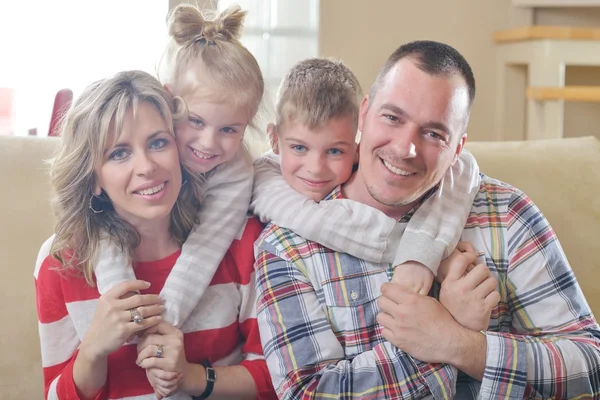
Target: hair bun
(187,25)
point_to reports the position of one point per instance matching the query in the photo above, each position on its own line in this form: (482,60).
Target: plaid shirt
(317,310)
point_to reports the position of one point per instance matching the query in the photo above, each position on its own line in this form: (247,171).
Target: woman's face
(140,170)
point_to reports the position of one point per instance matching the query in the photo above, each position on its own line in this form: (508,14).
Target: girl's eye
(196,121)
(227,129)
(335,152)
(299,148)
(118,155)
(158,144)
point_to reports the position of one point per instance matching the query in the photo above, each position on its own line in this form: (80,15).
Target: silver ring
(136,316)
(159,351)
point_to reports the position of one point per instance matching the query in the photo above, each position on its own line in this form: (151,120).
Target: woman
(117,176)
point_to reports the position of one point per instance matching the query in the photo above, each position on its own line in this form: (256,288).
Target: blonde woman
(118,178)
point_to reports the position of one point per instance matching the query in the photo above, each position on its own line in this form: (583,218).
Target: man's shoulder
(287,244)
(498,199)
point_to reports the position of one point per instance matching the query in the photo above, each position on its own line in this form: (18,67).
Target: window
(279,33)
(51,45)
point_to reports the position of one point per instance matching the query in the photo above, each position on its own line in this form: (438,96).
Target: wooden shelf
(539,32)
(587,94)
(556,3)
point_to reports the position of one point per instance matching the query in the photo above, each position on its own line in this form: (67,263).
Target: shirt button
(354,295)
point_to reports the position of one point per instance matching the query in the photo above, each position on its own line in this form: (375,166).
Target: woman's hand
(162,354)
(113,322)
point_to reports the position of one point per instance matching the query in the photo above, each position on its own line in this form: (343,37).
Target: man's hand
(468,293)
(417,324)
(414,276)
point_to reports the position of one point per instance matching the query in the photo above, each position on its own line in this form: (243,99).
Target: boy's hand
(413,276)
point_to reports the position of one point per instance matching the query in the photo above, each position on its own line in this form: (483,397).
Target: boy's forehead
(339,129)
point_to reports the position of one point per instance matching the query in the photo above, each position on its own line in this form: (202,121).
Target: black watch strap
(211,377)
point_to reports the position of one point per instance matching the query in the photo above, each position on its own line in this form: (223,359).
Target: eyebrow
(124,145)
(428,125)
(339,142)
(204,119)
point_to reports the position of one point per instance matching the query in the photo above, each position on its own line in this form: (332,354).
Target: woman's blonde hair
(98,112)
(206,60)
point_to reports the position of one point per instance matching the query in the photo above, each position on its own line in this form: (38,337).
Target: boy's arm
(434,230)
(222,214)
(341,225)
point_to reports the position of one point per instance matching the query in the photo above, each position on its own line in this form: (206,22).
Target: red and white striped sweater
(222,328)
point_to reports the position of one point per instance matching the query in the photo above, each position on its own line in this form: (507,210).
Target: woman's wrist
(194,383)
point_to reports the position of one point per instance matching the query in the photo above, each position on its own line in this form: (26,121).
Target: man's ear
(362,113)
(459,147)
(273,138)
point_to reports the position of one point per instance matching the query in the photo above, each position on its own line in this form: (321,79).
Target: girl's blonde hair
(206,60)
(98,112)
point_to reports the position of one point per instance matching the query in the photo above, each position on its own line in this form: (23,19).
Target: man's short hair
(316,90)
(434,58)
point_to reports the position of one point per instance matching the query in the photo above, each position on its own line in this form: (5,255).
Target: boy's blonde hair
(316,90)
(99,111)
(206,59)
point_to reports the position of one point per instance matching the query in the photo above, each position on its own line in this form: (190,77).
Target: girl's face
(140,170)
(211,135)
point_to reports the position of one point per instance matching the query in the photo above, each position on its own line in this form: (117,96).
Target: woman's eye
(118,155)
(227,129)
(335,152)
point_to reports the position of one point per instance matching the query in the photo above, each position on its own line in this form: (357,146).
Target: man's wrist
(468,354)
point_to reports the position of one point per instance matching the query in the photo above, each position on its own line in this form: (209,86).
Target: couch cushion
(562,177)
(26,221)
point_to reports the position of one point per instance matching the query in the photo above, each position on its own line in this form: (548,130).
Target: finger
(120,289)
(386,320)
(145,311)
(492,299)
(387,305)
(476,276)
(466,247)
(166,376)
(149,351)
(140,300)
(134,327)
(486,287)
(459,263)
(397,293)
(154,362)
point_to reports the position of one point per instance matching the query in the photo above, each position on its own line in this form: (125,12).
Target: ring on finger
(159,351)
(136,316)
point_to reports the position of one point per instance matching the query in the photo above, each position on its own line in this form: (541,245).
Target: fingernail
(162,308)
(159,297)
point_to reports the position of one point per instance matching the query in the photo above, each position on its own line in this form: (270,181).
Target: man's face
(412,132)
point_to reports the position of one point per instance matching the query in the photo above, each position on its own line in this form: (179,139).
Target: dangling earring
(91,206)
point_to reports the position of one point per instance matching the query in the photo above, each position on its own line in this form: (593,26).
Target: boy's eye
(228,129)
(299,148)
(118,155)
(335,152)
(158,144)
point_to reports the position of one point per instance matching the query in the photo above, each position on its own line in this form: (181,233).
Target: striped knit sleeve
(434,230)
(58,337)
(554,351)
(341,225)
(254,361)
(223,213)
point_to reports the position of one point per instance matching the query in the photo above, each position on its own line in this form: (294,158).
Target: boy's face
(315,161)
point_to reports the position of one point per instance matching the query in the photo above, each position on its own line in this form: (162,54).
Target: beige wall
(363,34)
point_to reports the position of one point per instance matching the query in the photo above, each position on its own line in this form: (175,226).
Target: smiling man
(332,325)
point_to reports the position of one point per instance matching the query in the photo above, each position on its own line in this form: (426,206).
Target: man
(332,326)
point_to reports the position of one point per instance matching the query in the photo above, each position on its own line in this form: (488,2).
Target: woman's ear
(273,139)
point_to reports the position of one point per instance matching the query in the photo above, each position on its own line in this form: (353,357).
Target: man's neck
(355,189)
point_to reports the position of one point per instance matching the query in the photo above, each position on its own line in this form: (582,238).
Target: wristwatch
(211,377)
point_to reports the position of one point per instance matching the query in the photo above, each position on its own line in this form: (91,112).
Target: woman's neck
(156,242)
